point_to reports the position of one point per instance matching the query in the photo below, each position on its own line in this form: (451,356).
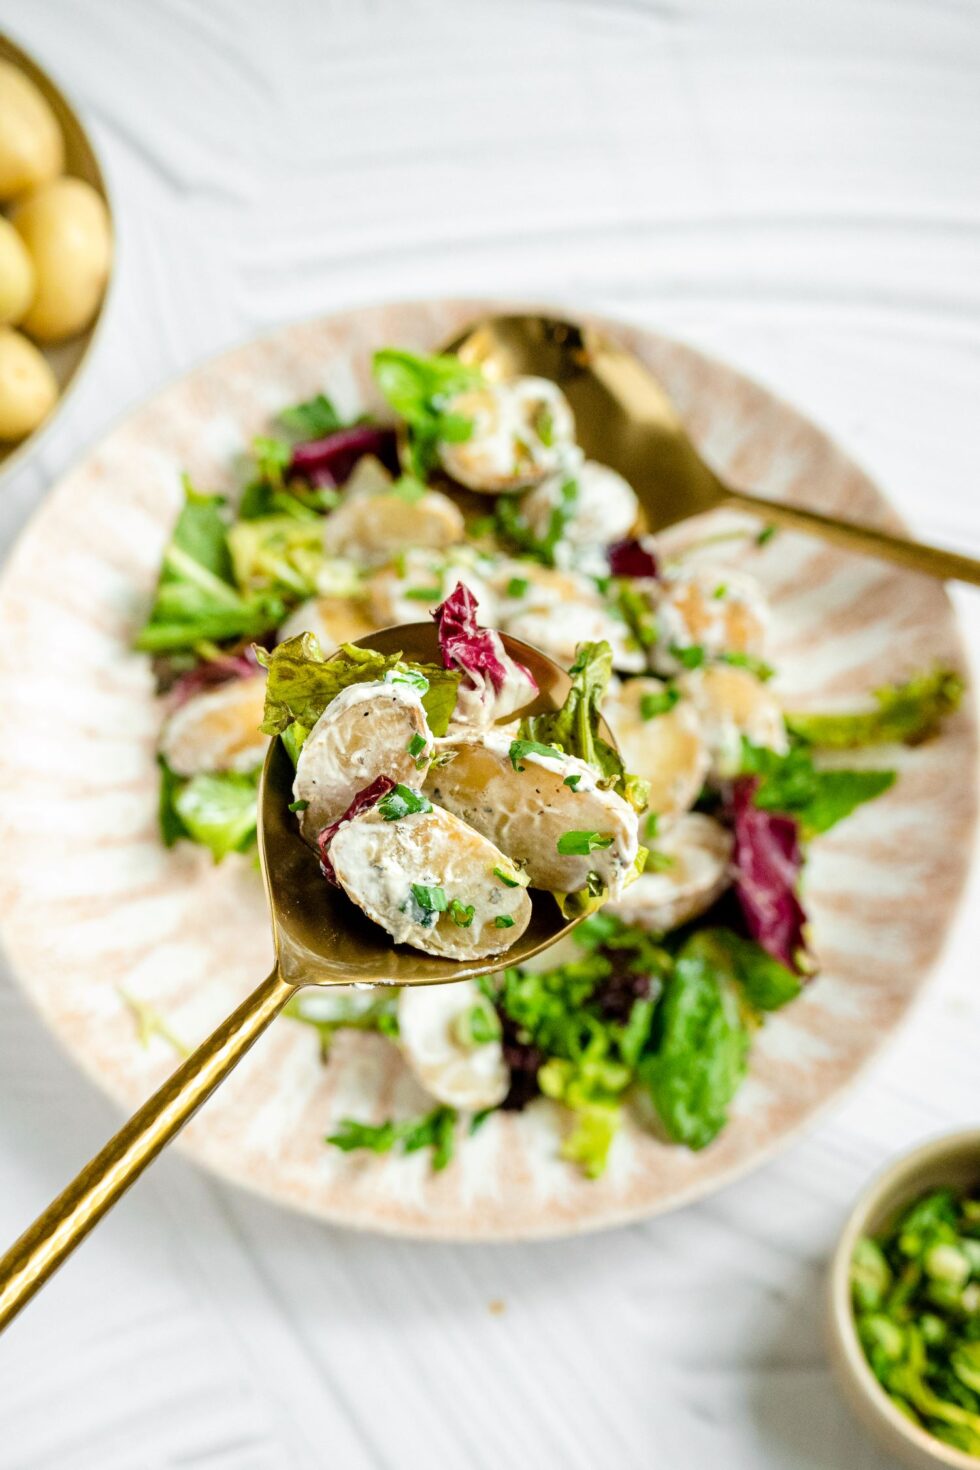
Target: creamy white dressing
(559,629)
(604,507)
(506,447)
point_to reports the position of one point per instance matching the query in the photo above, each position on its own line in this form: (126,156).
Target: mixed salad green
(345,525)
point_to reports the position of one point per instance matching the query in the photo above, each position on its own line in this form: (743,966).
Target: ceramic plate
(92,906)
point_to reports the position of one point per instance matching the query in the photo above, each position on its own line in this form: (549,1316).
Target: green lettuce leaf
(700,1052)
(219,810)
(418,389)
(302,683)
(904,714)
(313,419)
(197,599)
(575,727)
(764,983)
(817,799)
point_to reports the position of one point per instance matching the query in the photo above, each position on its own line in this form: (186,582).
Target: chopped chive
(503,921)
(430,900)
(652,823)
(580,844)
(511,880)
(572,782)
(720,591)
(517,587)
(298,806)
(423,594)
(416,745)
(766,534)
(461,913)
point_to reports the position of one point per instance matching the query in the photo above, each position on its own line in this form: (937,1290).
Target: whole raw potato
(32,149)
(28,388)
(16,275)
(65,226)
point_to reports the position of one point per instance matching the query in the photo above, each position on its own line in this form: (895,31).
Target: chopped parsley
(691,657)
(573,781)
(580,844)
(660,703)
(520,748)
(402,801)
(416,745)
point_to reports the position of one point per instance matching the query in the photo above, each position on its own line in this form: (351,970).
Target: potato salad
(442,808)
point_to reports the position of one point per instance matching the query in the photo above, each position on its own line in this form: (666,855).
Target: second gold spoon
(625,419)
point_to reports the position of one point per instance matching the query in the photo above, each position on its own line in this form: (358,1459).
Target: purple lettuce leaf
(328,462)
(630,558)
(768,860)
(368,797)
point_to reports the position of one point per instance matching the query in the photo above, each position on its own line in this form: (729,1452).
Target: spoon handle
(68,1219)
(934,561)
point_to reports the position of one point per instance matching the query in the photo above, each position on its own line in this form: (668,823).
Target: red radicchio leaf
(365,799)
(768,860)
(210,675)
(630,558)
(328,462)
(467,646)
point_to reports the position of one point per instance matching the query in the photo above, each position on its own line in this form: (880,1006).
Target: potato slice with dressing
(374,521)
(559,628)
(711,608)
(434,1036)
(369,730)
(419,579)
(522,430)
(429,880)
(528,809)
(659,737)
(694,870)
(603,507)
(217,730)
(732,702)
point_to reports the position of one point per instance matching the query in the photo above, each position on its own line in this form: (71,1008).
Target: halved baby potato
(217,730)
(732,703)
(334,620)
(711,608)
(692,869)
(527,810)
(521,431)
(432,1036)
(603,507)
(429,880)
(369,730)
(376,525)
(661,741)
(32,148)
(415,583)
(560,627)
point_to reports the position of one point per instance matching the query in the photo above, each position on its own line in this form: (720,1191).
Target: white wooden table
(791,186)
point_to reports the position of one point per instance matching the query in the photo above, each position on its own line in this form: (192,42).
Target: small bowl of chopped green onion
(904,1305)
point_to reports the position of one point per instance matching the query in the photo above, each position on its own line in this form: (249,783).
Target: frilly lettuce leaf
(575,727)
(302,683)
(904,714)
(277,553)
(197,599)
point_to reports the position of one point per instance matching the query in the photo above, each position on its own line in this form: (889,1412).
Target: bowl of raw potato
(55,249)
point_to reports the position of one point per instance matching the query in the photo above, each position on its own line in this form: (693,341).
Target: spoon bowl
(322,938)
(625,418)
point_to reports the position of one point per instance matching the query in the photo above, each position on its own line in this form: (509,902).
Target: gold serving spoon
(321,938)
(625,419)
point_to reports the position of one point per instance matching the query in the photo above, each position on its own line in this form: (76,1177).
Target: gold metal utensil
(320,939)
(625,419)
